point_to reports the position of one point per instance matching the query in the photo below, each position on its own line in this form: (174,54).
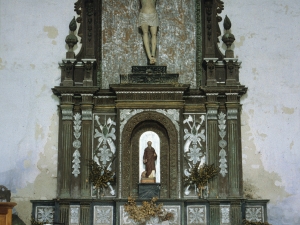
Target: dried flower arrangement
(200,175)
(100,176)
(143,213)
(34,222)
(246,222)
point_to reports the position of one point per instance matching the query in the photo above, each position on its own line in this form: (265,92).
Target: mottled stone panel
(122,44)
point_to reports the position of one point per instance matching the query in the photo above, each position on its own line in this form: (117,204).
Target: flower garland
(143,213)
(100,175)
(34,222)
(200,175)
(246,222)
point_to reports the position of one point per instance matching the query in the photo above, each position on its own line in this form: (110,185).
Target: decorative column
(84,213)
(212,107)
(214,213)
(64,210)
(234,145)
(65,151)
(88,71)
(87,135)
(236,212)
(211,71)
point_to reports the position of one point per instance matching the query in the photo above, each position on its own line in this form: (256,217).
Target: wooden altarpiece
(190,99)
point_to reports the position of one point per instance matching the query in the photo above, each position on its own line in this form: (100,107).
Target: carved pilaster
(64,209)
(235,212)
(198,43)
(234,150)
(68,72)
(85,213)
(89,28)
(214,213)
(208,27)
(212,139)
(211,27)
(211,71)
(87,136)
(65,151)
(232,65)
(88,71)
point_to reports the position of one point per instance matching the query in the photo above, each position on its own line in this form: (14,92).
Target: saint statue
(148,19)
(149,160)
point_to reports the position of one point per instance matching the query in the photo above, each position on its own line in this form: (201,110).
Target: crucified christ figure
(148,20)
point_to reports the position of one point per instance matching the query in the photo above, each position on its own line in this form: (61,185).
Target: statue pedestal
(148,180)
(149,190)
(149,75)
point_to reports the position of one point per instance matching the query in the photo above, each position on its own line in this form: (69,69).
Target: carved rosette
(103,215)
(255,213)
(44,214)
(222,144)
(194,149)
(196,214)
(104,145)
(76,145)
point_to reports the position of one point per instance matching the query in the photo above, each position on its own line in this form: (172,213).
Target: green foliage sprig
(246,222)
(143,213)
(100,175)
(34,222)
(200,175)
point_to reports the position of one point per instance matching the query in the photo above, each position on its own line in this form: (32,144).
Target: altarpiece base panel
(186,212)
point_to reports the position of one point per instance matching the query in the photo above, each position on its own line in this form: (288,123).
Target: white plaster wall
(32,35)
(267,42)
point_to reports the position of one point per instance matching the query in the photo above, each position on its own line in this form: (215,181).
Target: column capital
(67,112)
(87,111)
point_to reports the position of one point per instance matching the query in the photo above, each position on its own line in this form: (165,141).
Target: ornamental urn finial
(228,38)
(71,39)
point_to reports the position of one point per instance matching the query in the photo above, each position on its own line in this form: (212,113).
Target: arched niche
(154,138)
(165,129)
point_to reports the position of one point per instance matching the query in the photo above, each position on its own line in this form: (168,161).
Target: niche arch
(166,130)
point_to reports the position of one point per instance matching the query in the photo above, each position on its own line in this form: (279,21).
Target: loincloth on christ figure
(149,19)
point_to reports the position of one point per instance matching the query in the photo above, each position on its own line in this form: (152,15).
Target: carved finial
(228,38)
(71,39)
(227,23)
(73,25)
